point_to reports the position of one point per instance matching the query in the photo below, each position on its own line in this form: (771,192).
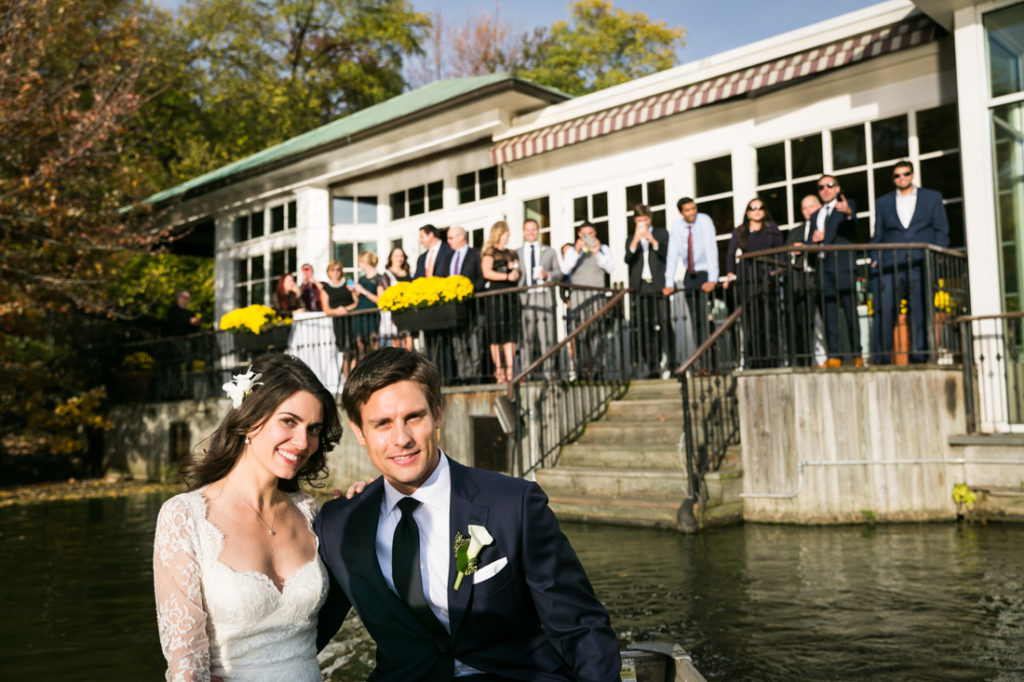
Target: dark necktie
(405,563)
(689,250)
(532,261)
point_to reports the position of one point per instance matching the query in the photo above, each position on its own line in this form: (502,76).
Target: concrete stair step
(719,514)
(724,487)
(614,482)
(625,511)
(647,389)
(621,456)
(653,409)
(618,433)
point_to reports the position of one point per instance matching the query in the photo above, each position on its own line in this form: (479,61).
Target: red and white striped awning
(910,32)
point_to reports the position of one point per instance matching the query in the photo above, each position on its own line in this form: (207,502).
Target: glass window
(848,147)
(540,210)
(714,176)
(293,215)
(806,155)
(241,270)
(937,129)
(366,212)
(466,184)
(343,211)
(277,218)
(800,190)
(771,163)
(397,201)
(488,182)
(256,224)
(889,139)
(653,195)
(579,209)
(280,263)
(417,200)
(942,174)
(435,196)
(634,196)
(256,268)
(241,228)
(775,201)
(595,209)
(1005,29)
(855,186)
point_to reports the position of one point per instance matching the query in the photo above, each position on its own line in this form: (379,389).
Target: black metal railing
(552,411)
(711,423)
(880,304)
(993,370)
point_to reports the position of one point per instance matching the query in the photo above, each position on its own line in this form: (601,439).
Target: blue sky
(713,25)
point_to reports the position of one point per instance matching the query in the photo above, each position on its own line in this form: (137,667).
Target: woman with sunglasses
(759,289)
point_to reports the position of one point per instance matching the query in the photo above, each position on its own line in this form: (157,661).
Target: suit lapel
(462,512)
(359,553)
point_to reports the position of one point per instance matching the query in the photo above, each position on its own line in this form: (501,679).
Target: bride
(235,563)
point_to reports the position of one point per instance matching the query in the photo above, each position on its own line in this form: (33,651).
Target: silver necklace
(270,526)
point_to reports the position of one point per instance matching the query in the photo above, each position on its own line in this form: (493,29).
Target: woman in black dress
(337,300)
(396,270)
(368,290)
(758,282)
(500,266)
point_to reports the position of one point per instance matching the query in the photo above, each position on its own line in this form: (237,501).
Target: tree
(247,75)
(599,47)
(70,84)
(484,43)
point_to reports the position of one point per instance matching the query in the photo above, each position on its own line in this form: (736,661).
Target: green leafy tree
(71,75)
(244,75)
(599,47)
(145,285)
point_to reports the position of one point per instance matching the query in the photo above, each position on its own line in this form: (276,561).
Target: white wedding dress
(235,625)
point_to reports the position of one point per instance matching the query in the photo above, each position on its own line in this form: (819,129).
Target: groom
(528,611)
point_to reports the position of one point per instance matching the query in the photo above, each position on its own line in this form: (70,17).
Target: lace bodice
(235,625)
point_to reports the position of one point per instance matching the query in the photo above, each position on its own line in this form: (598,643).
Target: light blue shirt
(705,248)
(458,258)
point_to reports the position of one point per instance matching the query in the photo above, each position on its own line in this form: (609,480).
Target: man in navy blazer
(836,223)
(906,215)
(527,612)
(436,256)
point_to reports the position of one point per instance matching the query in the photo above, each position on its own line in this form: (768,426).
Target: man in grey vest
(587,264)
(539,265)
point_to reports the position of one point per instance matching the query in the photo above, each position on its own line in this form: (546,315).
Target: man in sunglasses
(835,223)
(906,215)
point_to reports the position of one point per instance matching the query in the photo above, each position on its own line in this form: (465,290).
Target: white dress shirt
(534,248)
(823,213)
(432,517)
(645,246)
(705,248)
(458,259)
(603,258)
(905,205)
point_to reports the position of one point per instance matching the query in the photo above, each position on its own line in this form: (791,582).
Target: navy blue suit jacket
(536,619)
(928,224)
(441,263)
(839,229)
(470,268)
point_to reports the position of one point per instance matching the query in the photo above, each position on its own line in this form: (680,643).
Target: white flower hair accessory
(240,386)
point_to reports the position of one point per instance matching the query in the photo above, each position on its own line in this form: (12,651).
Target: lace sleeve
(179,599)
(306,504)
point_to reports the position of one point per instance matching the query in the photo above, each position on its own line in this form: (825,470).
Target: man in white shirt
(651,340)
(436,255)
(692,245)
(539,265)
(806,292)
(520,608)
(906,215)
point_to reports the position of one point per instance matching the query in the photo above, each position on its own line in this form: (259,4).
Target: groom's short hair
(384,367)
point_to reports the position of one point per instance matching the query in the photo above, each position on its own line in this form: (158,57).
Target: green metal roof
(398,107)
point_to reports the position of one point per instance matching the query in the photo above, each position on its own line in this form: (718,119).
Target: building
(940,82)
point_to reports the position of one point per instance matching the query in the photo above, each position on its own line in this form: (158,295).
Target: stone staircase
(629,468)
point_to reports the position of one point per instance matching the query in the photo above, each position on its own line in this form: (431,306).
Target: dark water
(908,602)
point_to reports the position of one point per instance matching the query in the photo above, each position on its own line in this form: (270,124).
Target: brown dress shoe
(831,363)
(858,361)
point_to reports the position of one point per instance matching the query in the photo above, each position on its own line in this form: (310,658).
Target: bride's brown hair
(282,376)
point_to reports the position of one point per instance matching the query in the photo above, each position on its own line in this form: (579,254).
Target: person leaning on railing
(906,215)
(757,232)
(287,296)
(337,300)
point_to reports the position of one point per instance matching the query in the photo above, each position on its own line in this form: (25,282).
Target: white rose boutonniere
(240,385)
(468,549)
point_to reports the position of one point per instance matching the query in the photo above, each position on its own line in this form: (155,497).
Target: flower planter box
(275,338)
(434,318)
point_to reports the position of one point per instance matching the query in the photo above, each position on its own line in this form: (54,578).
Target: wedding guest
(500,266)
(179,319)
(757,232)
(310,289)
(368,288)
(395,270)
(287,296)
(337,300)
(237,578)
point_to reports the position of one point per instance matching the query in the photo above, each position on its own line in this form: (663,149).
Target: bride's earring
(247,440)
